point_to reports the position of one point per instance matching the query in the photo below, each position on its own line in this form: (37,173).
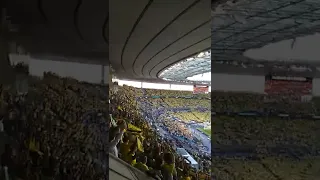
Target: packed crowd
(282,87)
(167,93)
(236,101)
(293,89)
(181,102)
(47,135)
(173,94)
(192,116)
(271,168)
(182,136)
(241,101)
(264,146)
(177,127)
(186,109)
(156,156)
(266,132)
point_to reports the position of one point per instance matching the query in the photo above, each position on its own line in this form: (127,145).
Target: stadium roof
(237,27)
(194,65)
(156,34)
(61,30)
(141,37)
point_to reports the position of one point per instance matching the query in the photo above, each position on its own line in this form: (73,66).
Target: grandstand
(265,110)
(174,116)
(72,126)
(169,113)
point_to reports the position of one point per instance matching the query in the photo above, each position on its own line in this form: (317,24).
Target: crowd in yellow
(154,155)
(264,147)
(45,134)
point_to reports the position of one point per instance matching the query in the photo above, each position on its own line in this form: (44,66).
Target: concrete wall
(240,83)
(316,87)
(82,72)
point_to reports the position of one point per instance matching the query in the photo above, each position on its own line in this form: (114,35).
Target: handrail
(133,174)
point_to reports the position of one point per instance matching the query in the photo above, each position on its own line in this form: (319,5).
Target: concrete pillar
(102,74)
(109,75)
(6,71)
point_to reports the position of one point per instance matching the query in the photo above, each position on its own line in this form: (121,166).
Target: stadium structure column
(7,75)
(102,74)
(109,76)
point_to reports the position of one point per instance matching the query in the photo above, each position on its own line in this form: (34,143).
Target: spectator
(142,164)
(126,104)
(125,146)
(168,168)
(116,137)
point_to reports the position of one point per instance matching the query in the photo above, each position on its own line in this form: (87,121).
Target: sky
(201,77)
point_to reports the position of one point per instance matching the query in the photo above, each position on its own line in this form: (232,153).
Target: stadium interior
(59,124)
(265,96)
(81,99)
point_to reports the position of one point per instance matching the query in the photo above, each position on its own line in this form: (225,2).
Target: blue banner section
(183,97)
(156,97)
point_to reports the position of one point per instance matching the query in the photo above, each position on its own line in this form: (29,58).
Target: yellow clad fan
(133,128)
(34,146)
(203,176)
(131,156)
(142,164)
(137,140)
(139,145)
(168,168)
(124,146)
